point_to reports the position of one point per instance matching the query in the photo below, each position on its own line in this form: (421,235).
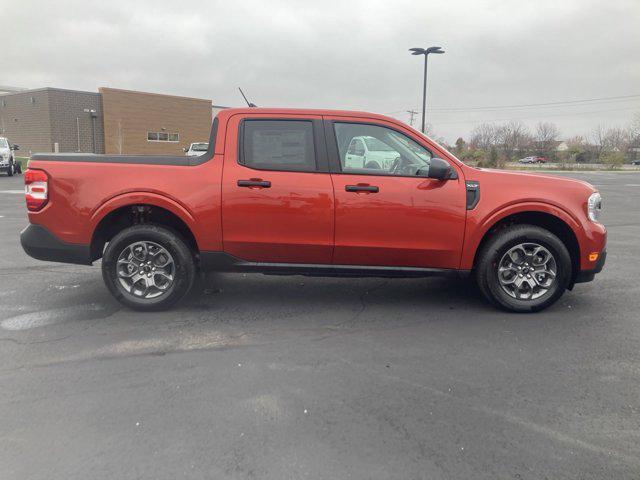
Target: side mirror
(185,149)
(15,147)
(440,170)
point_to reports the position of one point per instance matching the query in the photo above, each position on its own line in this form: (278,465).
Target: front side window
(388,152)
(3,143)
(278,145)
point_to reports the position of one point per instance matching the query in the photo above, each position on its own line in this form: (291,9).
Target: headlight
(594,206)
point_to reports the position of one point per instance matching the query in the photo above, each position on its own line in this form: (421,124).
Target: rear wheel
(523,268)
(148,267)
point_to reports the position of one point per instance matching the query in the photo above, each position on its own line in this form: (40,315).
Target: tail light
(36,189)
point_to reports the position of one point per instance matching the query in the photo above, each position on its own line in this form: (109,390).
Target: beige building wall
(129,117)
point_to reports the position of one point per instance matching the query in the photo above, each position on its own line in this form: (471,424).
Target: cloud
(341,54)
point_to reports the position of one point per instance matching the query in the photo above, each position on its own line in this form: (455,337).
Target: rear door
(392,214)
(277,195)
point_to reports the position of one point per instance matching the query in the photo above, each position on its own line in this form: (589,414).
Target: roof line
(101,89)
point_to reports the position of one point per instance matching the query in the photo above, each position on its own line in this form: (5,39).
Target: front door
(277,196)
(391,214)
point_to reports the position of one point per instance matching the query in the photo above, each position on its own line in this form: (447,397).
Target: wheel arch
(131,209)
(553,219)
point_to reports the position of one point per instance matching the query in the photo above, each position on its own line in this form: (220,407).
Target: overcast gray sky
(343,54)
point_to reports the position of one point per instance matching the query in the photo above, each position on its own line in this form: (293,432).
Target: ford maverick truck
(282,191)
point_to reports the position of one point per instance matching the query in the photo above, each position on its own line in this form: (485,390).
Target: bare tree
(513,137)
(484,136)
(597,136)
(546,135)
(634,128)
(613,139)
(616,139)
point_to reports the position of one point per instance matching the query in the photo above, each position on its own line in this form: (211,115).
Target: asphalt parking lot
(294,377)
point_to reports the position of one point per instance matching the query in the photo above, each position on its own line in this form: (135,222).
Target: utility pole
(412,114)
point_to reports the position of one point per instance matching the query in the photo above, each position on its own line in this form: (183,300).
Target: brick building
(112,121)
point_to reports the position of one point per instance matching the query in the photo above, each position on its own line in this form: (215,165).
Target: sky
(345,54)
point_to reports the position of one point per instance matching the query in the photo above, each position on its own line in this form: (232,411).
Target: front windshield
(199,147)
(4,143)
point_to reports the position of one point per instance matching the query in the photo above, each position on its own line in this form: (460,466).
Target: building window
(163,137)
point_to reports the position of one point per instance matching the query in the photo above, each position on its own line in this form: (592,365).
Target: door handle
(254,183)
(362,188)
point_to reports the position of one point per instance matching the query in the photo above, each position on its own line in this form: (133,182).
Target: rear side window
(278,145)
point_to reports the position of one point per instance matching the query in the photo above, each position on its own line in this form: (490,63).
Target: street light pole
(425,52)
(424,91)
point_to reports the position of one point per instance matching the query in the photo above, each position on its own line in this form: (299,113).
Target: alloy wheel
(527,271)
(145,270)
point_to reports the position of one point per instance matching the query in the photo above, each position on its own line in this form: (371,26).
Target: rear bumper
(40,243)
(588,275)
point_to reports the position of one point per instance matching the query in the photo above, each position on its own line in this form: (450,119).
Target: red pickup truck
(284,191)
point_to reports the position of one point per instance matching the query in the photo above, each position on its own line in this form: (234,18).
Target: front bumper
(40,243)
(588,275)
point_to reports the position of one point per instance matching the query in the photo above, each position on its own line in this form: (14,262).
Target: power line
(531,105)
(542,115)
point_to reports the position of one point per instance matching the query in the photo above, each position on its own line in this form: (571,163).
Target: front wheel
(11,169)
(148,267)
(523,268)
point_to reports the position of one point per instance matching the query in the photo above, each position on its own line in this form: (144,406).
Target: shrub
(613,160)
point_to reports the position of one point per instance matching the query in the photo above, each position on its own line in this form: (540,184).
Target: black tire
(18,167)
(183,260)
(486,269)
(11,167)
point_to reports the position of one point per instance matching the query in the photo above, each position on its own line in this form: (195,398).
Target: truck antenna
(252,105)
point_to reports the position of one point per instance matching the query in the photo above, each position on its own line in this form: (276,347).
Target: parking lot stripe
(12,191)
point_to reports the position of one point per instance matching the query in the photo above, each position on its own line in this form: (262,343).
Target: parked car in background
(527,160)
(635,162)
(196,149)
(279,192)
(8,164)
(534,159)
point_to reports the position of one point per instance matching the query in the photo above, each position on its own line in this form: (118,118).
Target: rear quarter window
(278,145)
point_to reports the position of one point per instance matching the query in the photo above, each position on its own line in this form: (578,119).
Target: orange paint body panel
(81,194)
(289,222)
